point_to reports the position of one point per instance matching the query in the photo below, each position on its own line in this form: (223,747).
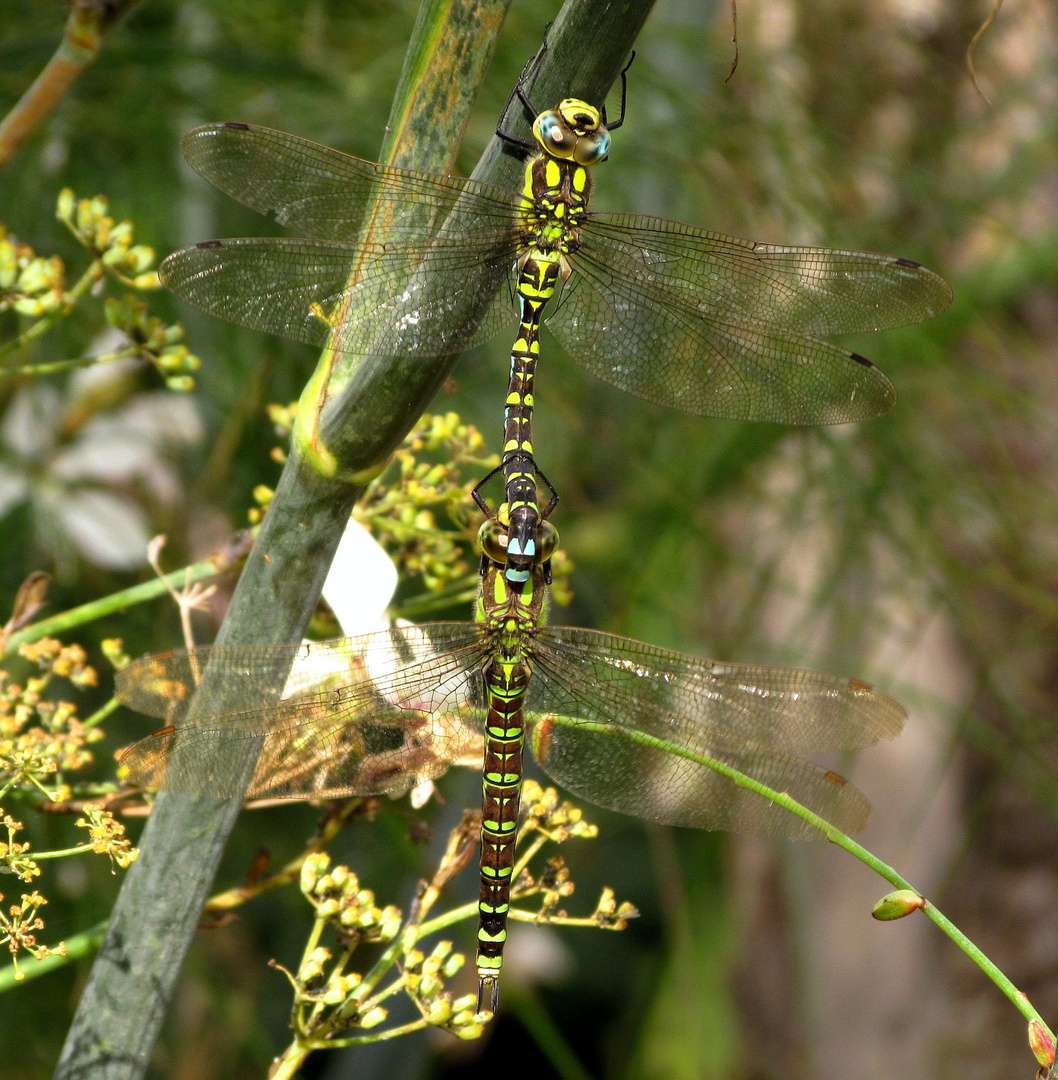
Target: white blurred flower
(360,582)
(75,472)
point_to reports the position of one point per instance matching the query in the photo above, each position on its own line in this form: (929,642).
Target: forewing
(319,192)
(367,715)
(620,723)
(392,261)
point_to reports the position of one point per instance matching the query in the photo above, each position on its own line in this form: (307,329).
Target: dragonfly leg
(624,92)
(519,92)
(479,498)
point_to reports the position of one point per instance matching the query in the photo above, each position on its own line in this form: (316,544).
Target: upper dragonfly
(396,262)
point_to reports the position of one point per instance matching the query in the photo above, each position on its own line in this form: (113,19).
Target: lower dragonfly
(627,726)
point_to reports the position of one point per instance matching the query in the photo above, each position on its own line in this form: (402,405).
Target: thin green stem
(547,1036)
(107,605)
(465,911)
(835,836)
(313,938)
(527,856)
(129,352)
(380,1036)
(59,853)
(81,41)
(93,274)
(290,1062)
(100,714)
(385,961)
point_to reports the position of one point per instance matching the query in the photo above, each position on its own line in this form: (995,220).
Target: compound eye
(593,148)
(546,542)
(553,135)
(492,539)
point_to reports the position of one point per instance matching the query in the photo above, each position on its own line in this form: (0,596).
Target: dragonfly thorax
(510,615)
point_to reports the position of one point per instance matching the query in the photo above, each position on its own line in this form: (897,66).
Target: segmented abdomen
(536,285)
(501,785)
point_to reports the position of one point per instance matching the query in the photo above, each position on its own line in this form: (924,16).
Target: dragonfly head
(518,547)
(573,132)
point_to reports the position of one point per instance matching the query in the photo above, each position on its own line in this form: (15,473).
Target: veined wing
(368,715)
(726,327)
(619,723)
(812,290)
(320,192)
(392,260)
(375,300)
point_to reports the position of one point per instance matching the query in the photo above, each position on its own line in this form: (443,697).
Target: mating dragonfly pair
(707,323)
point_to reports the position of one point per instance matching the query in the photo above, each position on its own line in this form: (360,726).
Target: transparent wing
(393,261)
(613,720)
(731,327)
(368,715)
(375,300)
(319,192)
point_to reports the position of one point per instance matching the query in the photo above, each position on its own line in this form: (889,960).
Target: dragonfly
(628,726)
(390,261)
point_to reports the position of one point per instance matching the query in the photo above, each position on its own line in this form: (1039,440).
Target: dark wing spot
(855,355)
(163,731)
(237,125)
(908,262)
(859,684)
(210,244)
(837,778)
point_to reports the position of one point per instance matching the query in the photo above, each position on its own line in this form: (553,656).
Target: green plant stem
(107,605)
(81,849)
(373,407)
(289,1063)
(82,39)
(100,714)
(128,353)
(835,836)
(546,1034)
(94,273)
(380,1036)
(76,947)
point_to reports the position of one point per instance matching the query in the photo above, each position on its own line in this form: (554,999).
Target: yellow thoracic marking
(552,174)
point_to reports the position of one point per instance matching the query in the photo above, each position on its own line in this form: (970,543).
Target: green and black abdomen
(501,784)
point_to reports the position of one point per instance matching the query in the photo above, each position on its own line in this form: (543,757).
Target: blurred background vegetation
(917,550)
